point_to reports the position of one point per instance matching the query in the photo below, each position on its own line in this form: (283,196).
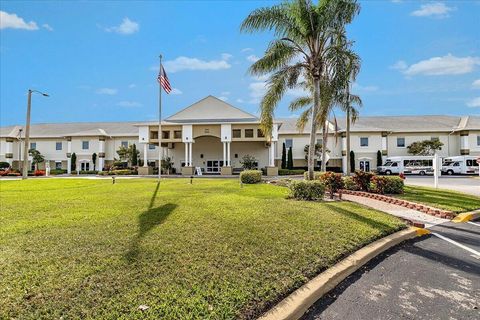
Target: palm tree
(305,41)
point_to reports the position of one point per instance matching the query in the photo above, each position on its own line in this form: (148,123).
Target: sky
(98,60)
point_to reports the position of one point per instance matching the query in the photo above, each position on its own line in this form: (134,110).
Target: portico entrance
(213,166)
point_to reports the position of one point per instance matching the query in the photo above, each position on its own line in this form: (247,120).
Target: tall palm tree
(305,38)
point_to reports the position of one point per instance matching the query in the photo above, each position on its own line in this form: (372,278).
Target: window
(364,142)
(125,144)
(248,133)
(58,146)
(177,134)
(153,134)
(320,142)
(478,140)
(400,142)
(151,146)
(165,134)
(85,145)
(33,145)
(288,143)
(237,133)
(434,139)
(58,165)
(260,133)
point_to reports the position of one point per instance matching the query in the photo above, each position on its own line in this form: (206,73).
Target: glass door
(365,165)
(213,166)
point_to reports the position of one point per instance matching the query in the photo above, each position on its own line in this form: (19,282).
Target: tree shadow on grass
(148,220)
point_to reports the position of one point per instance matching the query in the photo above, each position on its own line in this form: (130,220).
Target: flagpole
(160,124)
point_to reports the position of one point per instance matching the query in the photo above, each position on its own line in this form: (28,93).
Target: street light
(27,131)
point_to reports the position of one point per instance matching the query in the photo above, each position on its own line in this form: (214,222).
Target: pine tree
(134,155)
(94,160)
(73,162)
(352,161)
(379,158)
(284,156)
(290,159)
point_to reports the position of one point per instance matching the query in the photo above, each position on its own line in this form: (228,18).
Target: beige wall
(449,142)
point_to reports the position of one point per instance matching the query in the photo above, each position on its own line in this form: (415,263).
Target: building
(214,135)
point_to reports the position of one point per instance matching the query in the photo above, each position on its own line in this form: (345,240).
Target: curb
(445,214)
(467,216)
(298,302)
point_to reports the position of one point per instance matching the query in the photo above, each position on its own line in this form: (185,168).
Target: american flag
(163,80)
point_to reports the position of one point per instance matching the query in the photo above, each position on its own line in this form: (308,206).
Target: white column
(464,142)
(224,154)
(190,154)
(186,154)
(271,158)
(228,154)
(384,143)
(69,159)
(101,149)
(344,164)
(9,151)
(145,151)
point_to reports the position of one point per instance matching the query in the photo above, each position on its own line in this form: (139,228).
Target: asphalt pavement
(466,184)
(433,277)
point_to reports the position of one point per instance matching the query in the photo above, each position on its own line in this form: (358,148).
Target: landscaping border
(297,303)
(440,213)
(467,216)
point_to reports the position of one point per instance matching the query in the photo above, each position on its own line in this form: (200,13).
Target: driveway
(465,184)
(434,277)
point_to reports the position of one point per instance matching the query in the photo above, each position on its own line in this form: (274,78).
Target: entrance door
(213,166)
(365,165)
(85,166)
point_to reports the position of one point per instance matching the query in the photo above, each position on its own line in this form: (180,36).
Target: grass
(442,199)
(88,249)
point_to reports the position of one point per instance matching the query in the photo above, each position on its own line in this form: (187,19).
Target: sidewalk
(395,210)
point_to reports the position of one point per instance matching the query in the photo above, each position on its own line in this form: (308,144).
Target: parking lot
(466,184)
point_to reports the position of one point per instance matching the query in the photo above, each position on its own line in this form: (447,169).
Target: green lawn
(442,199)
(76,248)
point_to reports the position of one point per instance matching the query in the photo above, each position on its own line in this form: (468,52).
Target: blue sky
(99,60)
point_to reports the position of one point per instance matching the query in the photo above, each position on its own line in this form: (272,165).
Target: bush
(58,171)
(349,184)
(13,174)
(288,172)
(332,181)
(251,176)
(386,185)
(310,190)
(4,165)
(124,172)
(88,172)
(362,179)
(39,173)
(316,175)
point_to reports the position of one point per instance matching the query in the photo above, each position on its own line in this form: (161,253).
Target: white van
(460,165)
(421,165)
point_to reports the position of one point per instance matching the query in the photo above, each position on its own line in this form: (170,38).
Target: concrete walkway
(396,210)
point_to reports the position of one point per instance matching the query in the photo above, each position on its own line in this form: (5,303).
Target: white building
(214,135)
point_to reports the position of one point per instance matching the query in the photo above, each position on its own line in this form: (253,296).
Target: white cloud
(253,58)
(126,27)
(185,63)
(107,91)
(132,85)
(247,50)
(434,9)
(474,103)
(240,100)
(446,65)
(223,98)
(176,91)
(399,65)
(261,78)
(129,104)
(225,93)
(360,88)
(257,91)
(12,21)
(476,84)
(46,26)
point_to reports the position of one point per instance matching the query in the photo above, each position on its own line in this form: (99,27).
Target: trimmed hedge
(310,190)
(290,172)
(58,171)
(386,185)
(251,176)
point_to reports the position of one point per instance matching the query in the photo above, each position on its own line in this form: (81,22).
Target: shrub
(386,185)
(88,172)
(316,175)
(58,171)
(39,173)
(251,176)
(288,172)
(310,190)
(13,174)
(124,172)
(362,179)
(332,181)
(249,162)
(349,184)
(4,165)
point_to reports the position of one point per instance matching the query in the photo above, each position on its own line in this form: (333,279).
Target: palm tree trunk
(324,147)
(313,129)
(348,140)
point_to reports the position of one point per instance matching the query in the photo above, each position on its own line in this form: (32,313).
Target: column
(228,154)
(69,155)
(9,151)
(224,154)
(190,162)
(186,154)
(271,158)
(145,150)
(101,154)
(464,147)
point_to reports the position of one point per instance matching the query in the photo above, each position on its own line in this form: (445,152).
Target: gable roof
(211,109)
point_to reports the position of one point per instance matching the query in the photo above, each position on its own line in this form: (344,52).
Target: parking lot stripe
(475,252)
(474,223)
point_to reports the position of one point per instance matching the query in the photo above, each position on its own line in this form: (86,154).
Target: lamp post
(27,131)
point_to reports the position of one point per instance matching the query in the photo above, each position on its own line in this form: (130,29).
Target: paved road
(466,184)
(427,278)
